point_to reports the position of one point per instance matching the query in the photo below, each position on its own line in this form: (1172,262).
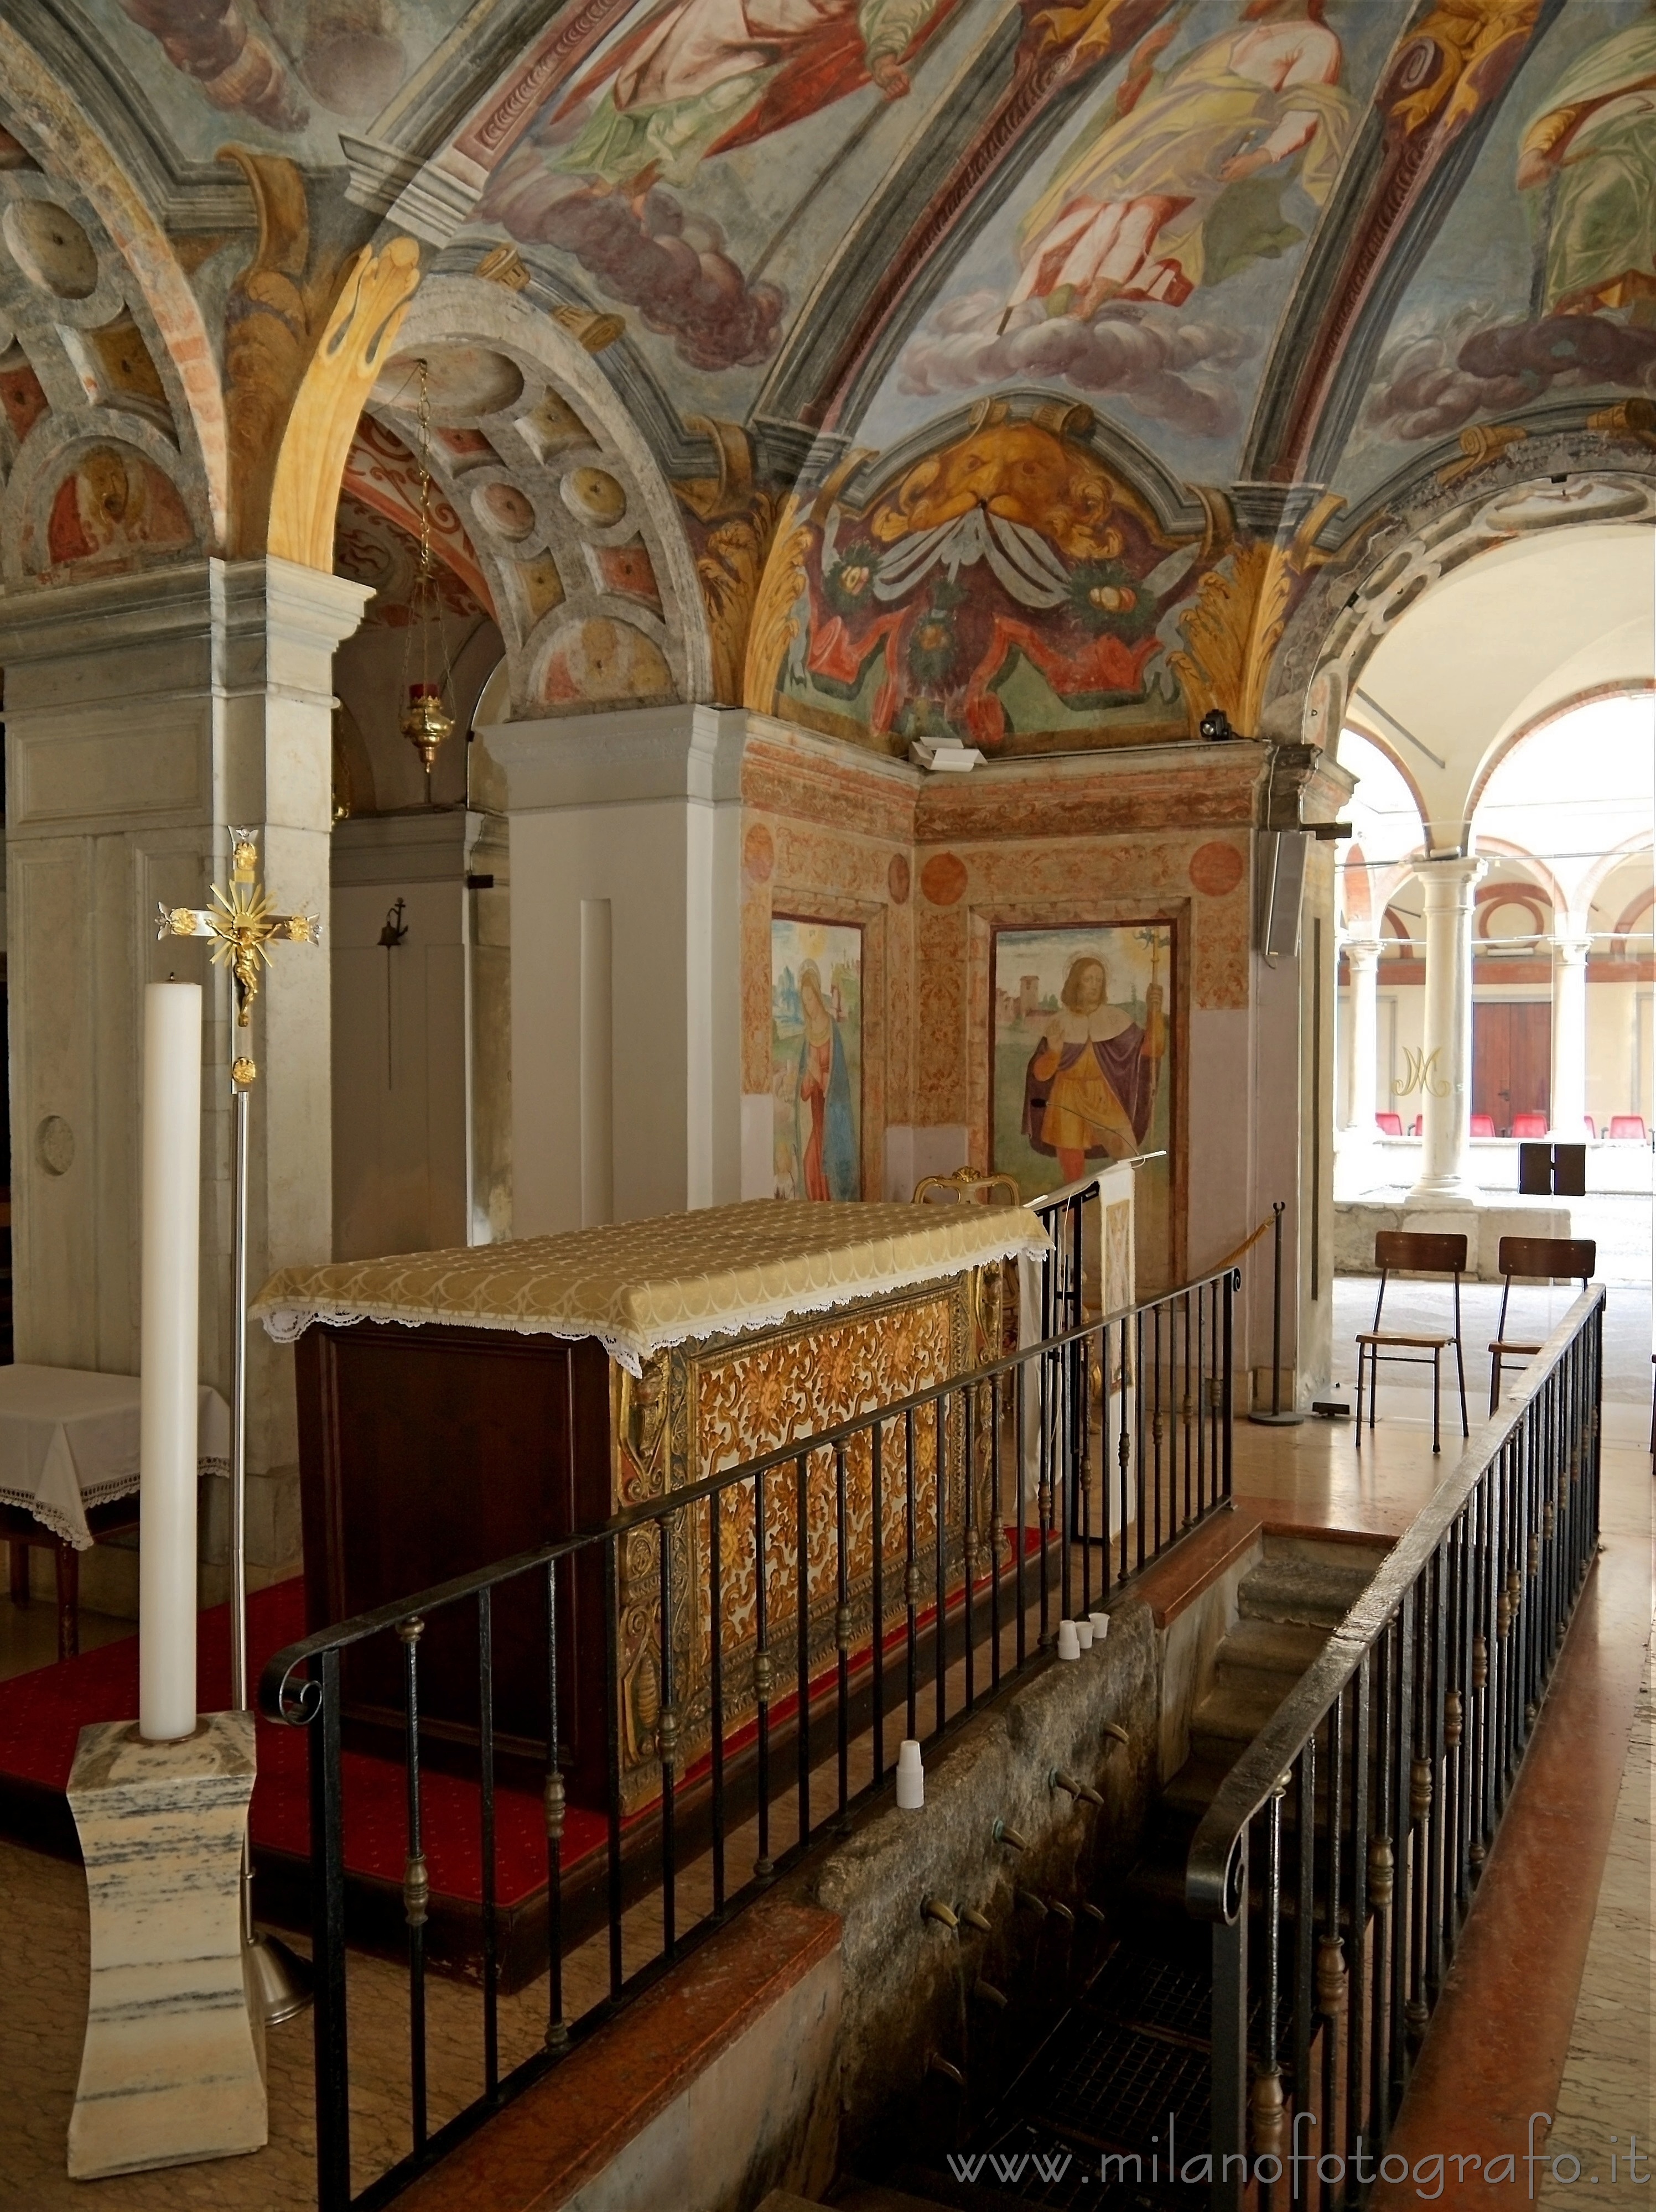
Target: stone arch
(1363,589)
(573,522)
(138,272)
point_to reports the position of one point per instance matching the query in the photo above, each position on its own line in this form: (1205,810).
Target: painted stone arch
(101,336)
(1359,595)
(592,578)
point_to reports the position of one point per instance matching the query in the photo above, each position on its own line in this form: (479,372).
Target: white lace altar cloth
(641,1285)
(68,1438)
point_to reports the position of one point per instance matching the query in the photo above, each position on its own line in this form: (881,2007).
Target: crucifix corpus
(242,926)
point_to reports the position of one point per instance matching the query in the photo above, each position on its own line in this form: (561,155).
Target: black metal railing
(1340,1857)
(904,1563)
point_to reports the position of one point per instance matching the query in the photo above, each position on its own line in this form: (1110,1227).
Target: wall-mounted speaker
(1282,879)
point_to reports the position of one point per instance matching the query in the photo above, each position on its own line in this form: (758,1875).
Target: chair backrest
(1529,1124)
(1484,1125)
(1414,1253)
(966,1185)
(1548,1257)
(1389,1125)
(1586,1122)
(1627,1125)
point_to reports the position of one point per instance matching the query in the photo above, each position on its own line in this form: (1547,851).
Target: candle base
(172,2071)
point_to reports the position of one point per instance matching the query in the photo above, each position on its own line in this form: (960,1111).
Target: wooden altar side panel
(428,1453)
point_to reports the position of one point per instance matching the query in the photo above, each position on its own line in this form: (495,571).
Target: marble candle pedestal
(173,2067)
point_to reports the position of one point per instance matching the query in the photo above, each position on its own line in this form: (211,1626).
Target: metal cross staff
(242,926)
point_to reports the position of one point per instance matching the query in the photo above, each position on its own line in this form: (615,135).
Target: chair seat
(1529,1350)
(1420,1343)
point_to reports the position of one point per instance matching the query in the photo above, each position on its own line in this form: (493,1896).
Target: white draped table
(69,1452)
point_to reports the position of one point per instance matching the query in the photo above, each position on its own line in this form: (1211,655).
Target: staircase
(1131,2047)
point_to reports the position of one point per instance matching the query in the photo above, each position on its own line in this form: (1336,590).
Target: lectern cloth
(68,1438)
(638,1287)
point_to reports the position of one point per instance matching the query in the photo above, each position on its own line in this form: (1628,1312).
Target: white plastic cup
(910,1776)
(1101,1626)
(1084,1634)
(1069,1643)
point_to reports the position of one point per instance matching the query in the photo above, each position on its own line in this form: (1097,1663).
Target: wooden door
(1512,1060)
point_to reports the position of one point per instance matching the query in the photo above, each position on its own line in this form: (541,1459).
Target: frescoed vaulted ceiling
(908,367)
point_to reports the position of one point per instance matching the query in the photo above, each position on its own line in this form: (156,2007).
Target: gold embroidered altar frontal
(713,1406)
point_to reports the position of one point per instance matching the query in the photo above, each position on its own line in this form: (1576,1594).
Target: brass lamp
(426,721)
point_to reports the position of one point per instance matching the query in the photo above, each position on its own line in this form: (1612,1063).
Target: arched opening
(1502,732)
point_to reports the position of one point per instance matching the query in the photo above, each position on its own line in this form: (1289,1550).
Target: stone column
(146,715)
(1360,1040)
(1569,1037)
(1447,1049)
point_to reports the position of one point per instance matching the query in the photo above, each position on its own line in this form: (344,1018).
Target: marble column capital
(1451,883)
(1361,952)
(1571,951)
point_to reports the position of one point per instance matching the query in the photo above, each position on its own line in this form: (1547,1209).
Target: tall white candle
(171,1235)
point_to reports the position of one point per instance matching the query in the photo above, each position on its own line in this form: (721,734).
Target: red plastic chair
(1484,1125)
(1389,1125)
(1592,1132)
(1627,1125)
(1529,1124)
(1417,1126)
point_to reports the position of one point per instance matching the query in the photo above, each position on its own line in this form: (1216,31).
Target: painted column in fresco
(1359,1041)
(1446,1048)
(1569,1036)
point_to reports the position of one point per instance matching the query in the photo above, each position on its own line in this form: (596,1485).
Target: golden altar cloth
(639,1287)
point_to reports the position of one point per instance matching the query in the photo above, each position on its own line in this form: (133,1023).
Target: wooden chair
(1400,1251)
(1533,1258)
(966,1185)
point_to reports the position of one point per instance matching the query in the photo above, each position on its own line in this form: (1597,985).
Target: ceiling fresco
(1541,286)
(1143,261)
(286,76)
(1000,369)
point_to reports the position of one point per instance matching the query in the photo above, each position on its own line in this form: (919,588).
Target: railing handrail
(279,1669)
(1209,1893)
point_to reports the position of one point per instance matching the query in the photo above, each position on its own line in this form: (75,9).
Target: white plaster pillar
(146,715)
(1360,1041)
(1569,1037)
(624,834)
(1447,1049)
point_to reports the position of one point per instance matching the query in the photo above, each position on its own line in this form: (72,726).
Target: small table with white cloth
(69,1470)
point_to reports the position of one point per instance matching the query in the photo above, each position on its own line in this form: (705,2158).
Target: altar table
(68,1469)
(458,1407)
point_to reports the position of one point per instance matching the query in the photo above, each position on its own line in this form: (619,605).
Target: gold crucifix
(241,925)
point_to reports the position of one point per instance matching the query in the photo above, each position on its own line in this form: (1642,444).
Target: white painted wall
(402,1028)
(623,827)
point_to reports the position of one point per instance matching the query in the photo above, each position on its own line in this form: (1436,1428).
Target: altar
(456,1408)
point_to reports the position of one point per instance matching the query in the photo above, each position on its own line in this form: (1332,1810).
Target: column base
(172,2071)
(1456,1197)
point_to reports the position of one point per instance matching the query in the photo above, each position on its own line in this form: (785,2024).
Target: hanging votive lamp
(426,721)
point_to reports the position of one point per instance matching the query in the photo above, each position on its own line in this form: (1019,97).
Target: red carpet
(42,1713)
